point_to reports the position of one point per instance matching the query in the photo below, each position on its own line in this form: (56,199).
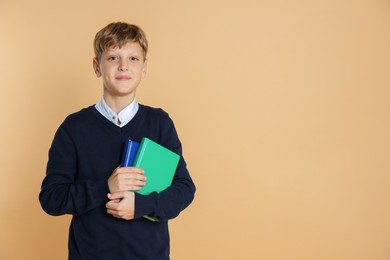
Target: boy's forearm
(72,198)
(168,204)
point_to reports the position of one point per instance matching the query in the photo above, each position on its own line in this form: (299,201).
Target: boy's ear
(96,67)
(144,69)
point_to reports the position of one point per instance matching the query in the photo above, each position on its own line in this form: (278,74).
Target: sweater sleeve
(170,202)
(60,192)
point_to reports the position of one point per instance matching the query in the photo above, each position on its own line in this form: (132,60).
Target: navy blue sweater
(85,151)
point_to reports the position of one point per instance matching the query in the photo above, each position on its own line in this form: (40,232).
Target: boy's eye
(134,59)
(112,58)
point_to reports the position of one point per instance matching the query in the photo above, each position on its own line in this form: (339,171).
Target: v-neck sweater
(85,151)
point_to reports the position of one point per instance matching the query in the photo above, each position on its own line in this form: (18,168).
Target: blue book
(129,152)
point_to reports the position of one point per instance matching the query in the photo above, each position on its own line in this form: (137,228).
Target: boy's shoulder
(152,111)
(153,114)
(80,119)
(80,115)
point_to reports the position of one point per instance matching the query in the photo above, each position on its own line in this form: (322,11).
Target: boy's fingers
(118,195)
(131,170)
(135,176)
(138,177)
(134,188)
(115,196)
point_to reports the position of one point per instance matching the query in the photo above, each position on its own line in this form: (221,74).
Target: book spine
(140,152)
(129,151)
(125,154)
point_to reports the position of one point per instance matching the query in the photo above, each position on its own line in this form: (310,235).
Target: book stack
(159,164)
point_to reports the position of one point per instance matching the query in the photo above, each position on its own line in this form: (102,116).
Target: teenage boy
(83,177)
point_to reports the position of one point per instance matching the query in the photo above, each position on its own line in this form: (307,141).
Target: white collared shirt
(120,119)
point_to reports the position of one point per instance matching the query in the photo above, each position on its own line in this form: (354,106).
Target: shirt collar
(124,116)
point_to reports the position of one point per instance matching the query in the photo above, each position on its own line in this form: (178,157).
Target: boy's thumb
(116,195)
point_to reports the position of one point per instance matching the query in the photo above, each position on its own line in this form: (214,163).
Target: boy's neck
(117,104)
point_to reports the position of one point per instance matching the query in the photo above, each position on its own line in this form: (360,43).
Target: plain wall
(282,108)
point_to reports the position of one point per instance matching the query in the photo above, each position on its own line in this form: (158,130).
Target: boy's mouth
(122,77)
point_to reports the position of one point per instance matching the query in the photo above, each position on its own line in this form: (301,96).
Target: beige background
(282,107)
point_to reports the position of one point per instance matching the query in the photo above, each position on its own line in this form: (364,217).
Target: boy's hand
(126,179)
(121,205)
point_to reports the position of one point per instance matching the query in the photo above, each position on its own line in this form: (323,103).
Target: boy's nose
(123,66)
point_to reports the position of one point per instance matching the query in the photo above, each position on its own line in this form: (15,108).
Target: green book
(158,163)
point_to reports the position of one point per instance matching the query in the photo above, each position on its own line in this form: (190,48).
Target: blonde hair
(118,34)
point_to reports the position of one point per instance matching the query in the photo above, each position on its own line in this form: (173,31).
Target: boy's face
(121,69)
